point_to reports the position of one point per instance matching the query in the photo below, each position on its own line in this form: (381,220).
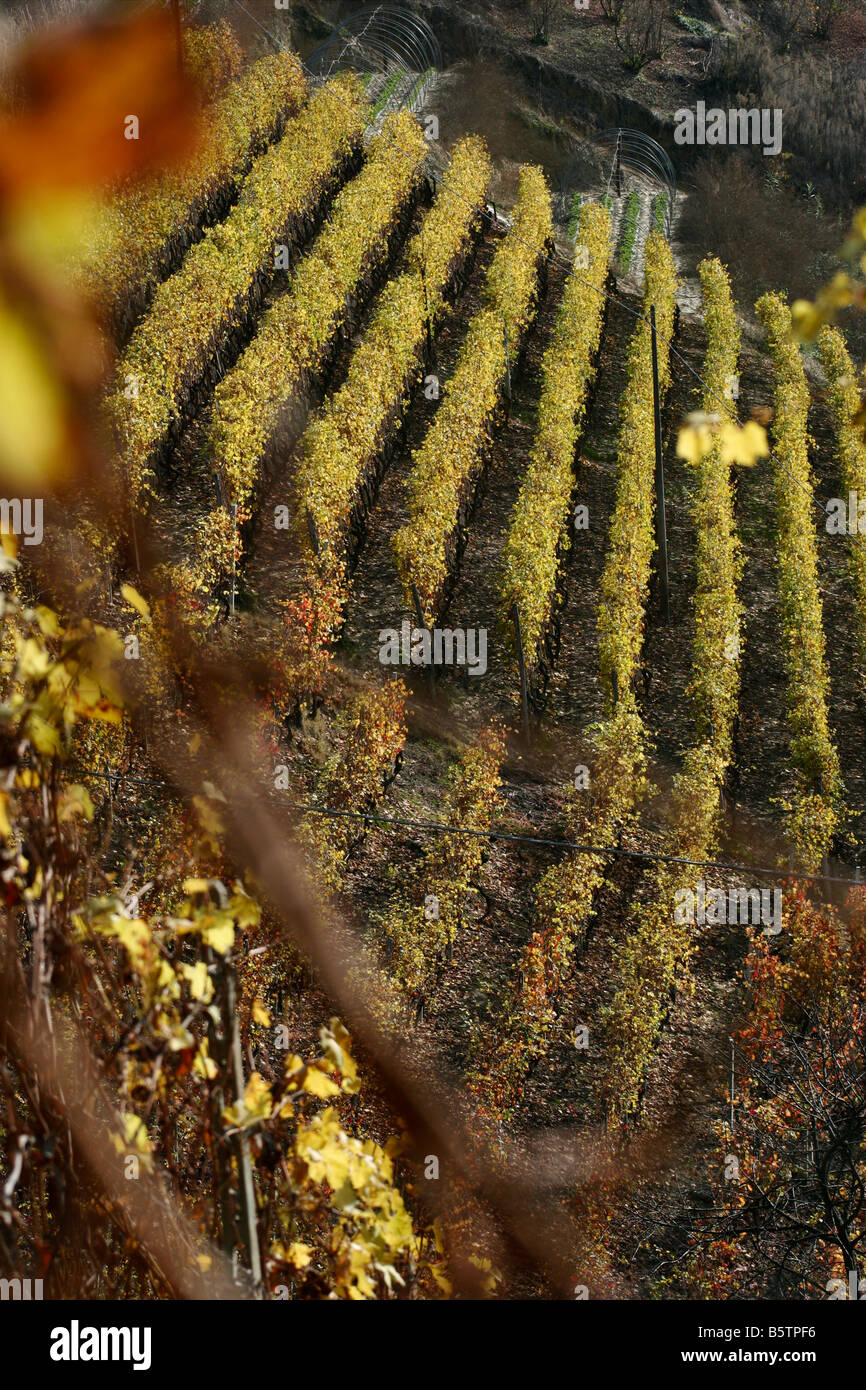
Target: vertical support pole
(219,1027)
(427,324)
(661,524)
(524,691)
(216,1036)
(733,1079)
(132,524)
(249,1233)
(419,615)
(507,362)
(234,552)
(135,543)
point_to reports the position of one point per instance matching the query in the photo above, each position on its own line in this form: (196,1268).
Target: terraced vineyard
(383,540)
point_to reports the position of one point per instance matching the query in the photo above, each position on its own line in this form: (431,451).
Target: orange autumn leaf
(78,89)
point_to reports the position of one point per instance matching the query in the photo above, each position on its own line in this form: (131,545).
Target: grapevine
(533,551)
(813,817)
(627,569)
(845,404)
(210,296)
(339,449)
(212,56)
(142,233)
(295,335)
(369,737)
(445,468)
(654,958)
(616,746)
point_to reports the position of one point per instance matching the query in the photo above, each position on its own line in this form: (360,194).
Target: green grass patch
(695,26)
(628,231)
(386,93)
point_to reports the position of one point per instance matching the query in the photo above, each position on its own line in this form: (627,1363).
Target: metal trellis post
(661,524)
(524,692)
(419,614)
(234,552)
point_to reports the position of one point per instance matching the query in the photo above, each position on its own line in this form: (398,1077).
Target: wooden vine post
(661,523)
(521,661)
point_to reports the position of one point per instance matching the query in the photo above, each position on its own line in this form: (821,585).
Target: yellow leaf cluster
(215,925)
(59,676)
(534,549)
(846,405)
(212,55)
(444,468)
(172,346)
(341,444)
(373,1227)
(626,575)
(134,1140)
(108,917)
(295,334)
(705,433)
(814,814)
(256,1104)
(135,230)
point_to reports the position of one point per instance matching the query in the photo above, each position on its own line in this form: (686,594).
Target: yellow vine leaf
(74,801)
(134,599)
(196,885)
(335,1045)
(43,735)
(738,444)
(318,1084)
(217,931)
(255,1105)
(134,1140)
(32,409)
(200,982)
(204,1065)
(743,445)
